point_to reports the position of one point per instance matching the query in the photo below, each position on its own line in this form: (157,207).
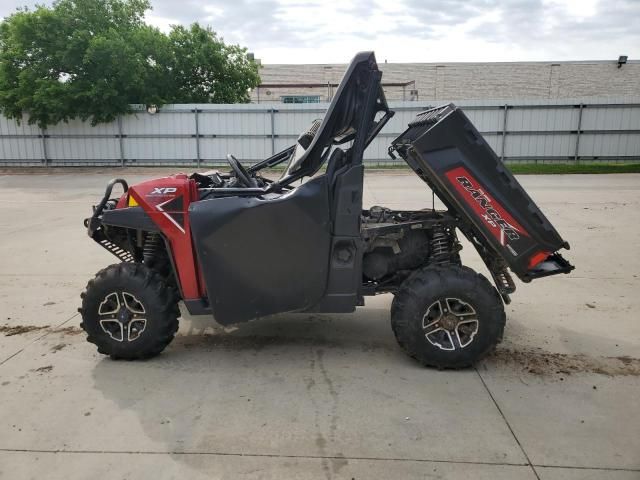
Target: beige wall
(469,81)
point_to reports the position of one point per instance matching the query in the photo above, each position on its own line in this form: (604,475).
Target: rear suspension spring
(440,245)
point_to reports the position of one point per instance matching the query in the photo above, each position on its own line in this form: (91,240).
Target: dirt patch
(58,347)
(10,330)
(46,369)
(70,330)
(540,362)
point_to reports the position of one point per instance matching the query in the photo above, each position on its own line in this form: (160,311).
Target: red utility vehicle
(240,246)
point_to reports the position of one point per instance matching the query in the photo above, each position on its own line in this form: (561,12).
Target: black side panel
(263,256)
(345,274)
(345,277)
(446,151)
(347,201)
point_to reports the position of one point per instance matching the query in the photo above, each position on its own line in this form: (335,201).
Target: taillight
(536,258)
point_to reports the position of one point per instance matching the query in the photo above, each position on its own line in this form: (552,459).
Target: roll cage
(351,117)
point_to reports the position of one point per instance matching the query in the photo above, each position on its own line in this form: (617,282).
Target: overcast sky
(331,31)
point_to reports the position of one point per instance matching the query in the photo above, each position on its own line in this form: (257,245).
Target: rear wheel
(447,317)
(129,311)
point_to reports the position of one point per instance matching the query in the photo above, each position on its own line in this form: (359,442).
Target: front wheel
(129,312)
(447,317)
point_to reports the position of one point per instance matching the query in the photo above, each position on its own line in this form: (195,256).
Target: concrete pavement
(323,396)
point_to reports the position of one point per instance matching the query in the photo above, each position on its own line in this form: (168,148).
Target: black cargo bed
(447,152)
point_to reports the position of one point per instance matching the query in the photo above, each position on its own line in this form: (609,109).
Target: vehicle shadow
(257,388)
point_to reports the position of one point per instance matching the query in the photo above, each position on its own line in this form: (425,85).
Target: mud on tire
(447,317)
(129,311)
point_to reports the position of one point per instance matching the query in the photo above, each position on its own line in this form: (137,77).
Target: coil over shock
(440,245)
(153,246)
(156,257)
(444,245)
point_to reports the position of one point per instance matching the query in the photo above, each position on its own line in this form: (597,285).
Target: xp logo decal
(163,190)
(497,220)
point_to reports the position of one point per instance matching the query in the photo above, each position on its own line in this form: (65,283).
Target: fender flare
(132,217)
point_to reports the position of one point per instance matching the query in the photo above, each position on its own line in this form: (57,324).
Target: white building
(311,83)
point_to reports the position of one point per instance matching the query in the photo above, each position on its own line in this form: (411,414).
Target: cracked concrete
(322,396)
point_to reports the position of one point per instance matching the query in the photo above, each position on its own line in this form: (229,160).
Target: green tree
(206,70)
(91,59)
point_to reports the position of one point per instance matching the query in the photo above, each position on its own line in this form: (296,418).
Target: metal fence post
(504,132)
(196,111)
(576,153)
(273,131)
(121,140)
(45,154)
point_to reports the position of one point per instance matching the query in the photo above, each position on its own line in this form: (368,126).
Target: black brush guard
(444,148)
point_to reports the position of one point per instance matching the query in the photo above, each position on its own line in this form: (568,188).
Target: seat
(341,120)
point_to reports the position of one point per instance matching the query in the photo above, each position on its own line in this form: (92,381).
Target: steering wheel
(241,173)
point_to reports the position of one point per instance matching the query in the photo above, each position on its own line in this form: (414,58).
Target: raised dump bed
(447,152)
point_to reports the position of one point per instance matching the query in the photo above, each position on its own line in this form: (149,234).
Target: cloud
(491,29)
(242,16)
(526,21)
(7,7)
(315,31)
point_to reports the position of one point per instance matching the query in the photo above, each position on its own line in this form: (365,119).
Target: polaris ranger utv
(240,246)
